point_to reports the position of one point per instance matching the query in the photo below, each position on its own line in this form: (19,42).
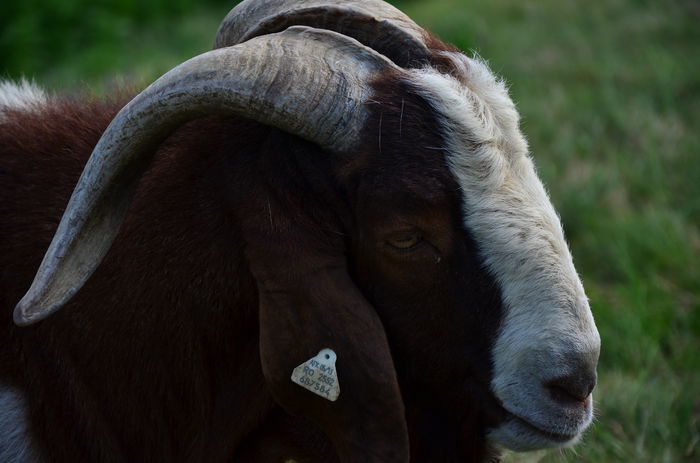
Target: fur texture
(15,442)
(24,95)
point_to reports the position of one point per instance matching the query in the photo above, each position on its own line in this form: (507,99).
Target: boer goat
(329,177)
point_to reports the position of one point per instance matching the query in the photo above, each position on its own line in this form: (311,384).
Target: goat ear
(308,302)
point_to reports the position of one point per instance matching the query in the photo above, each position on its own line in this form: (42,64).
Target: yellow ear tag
(318,375)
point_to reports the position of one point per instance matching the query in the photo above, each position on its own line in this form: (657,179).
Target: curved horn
(309,82)
(374,23)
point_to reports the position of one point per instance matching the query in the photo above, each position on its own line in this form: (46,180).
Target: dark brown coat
(245,251)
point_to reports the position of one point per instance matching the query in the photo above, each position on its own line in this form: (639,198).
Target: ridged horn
(373,23)
(309,82)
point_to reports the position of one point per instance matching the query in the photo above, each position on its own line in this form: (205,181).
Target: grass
(610,98)
(74,44)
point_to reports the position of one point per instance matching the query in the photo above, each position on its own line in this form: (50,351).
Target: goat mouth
(524,424)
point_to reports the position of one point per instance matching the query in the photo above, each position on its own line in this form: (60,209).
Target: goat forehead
(505,205)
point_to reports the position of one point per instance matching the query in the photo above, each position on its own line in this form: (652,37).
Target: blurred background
(609,93)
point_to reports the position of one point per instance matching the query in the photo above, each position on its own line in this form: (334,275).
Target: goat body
(426,255)
(167,367)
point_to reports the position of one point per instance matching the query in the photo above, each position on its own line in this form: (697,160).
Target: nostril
(563,397)
(572,389)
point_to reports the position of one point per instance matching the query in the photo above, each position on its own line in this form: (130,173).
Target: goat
(330,176)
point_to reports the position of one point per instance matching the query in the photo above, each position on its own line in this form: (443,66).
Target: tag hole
(327,356)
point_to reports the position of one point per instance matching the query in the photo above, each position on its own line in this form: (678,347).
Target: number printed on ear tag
(318,375)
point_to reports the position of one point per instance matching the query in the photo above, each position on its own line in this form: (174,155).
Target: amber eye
(405,241)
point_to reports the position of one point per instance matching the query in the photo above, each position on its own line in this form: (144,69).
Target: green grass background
(609,92)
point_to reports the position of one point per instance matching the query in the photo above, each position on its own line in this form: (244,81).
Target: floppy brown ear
(308,302)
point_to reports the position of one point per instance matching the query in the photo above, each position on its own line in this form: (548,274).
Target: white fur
(547,320)
(23,95)
(15,442)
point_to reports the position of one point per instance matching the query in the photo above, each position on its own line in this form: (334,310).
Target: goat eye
(405,241)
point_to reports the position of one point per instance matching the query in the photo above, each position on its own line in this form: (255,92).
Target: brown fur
(245,251)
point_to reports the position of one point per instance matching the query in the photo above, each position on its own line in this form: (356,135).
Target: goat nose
(574,389)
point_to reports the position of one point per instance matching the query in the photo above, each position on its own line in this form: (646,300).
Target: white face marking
(547,321)
(20,95)
(15,442)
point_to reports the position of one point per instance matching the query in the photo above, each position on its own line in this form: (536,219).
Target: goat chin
(543,424)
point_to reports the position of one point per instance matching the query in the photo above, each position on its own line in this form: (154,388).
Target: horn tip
(29,311)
